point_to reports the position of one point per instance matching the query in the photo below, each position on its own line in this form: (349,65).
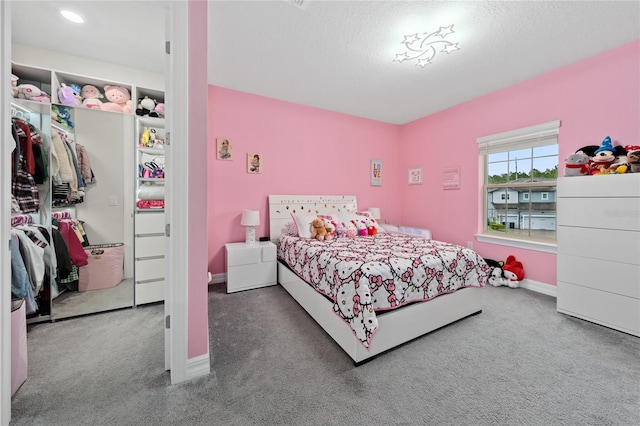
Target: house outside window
(520,169)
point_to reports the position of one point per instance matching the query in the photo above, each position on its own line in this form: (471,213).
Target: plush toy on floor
(318,229)
(513,272)
(496,277)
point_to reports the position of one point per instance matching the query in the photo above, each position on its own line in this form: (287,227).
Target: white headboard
(281,207)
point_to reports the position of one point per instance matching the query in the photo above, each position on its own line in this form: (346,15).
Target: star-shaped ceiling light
(423,49)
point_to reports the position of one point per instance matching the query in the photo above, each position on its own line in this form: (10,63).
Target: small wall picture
(375,173)
(415,176)
(254,162)
(224,149)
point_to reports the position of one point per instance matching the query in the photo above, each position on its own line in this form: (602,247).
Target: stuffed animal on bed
(318,229)
(352,231)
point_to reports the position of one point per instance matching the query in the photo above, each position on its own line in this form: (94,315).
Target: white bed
(395,327)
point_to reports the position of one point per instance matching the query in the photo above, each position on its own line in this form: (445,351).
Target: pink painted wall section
(198,334)
(593,98)
(304,151)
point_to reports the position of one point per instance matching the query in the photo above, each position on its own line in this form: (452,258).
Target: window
(520,171)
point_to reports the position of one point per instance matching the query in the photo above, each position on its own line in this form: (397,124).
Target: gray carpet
(74,303)
(517,363)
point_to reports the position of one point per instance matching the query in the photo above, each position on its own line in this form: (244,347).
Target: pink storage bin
(18,347)
(105,267)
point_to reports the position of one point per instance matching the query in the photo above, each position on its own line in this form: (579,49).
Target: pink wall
(593,98)
(198,320)
(305,151)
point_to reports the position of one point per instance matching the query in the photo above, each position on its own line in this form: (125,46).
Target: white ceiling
(337,55)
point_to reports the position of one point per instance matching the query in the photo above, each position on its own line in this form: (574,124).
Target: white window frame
(528,137)
(525,196)
(544,196)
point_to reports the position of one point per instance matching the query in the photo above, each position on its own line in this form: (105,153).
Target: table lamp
(250,219)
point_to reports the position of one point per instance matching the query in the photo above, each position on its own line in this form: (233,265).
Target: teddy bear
(633,158)
(318,229)
(91,96)
(577,165)
(119,99)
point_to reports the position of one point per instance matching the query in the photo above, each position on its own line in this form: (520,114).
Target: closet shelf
(152,180)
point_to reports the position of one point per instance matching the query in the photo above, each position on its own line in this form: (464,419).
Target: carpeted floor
(517,363)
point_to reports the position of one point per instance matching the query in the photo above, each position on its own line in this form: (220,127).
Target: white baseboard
(217,278)
(537,286)
(198,366)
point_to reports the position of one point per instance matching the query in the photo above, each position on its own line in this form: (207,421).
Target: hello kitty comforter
(365,275)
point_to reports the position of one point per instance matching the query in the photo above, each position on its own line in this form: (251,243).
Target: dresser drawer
(149,223)
(608,309)
(608,213)
(605,244)
(612,277)
(149,246)
(149,292)
(149,269)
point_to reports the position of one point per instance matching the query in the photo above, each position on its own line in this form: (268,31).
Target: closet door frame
(5,214)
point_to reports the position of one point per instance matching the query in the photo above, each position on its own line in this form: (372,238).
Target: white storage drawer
(149,269)
(615,277)
(248,254)
(601,307)
(149,223)
(606,244)
(608,213)
(251,276)
(149,292)
(150,246)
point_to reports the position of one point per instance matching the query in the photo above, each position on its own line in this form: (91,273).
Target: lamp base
(250,235)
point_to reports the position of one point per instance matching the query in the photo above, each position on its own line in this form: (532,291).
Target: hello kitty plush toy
(341,230)
(361,226)
(351,231)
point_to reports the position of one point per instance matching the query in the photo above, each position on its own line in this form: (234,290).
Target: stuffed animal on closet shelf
(119,99)
(32,93)
(91,96)
(159,109)
(318,229)
(14,85)
(146,106)
(69,95)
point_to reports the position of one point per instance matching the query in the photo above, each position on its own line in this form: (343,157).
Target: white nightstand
(250,265)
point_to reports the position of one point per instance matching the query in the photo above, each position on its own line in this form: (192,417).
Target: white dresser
(599,250)
(250,265)
(149,250)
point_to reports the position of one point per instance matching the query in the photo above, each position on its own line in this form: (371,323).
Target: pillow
(349,216)
(290,228)
(303,222)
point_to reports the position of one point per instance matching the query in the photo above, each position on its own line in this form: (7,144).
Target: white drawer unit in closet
(250,265)
(149,251)
(599,250)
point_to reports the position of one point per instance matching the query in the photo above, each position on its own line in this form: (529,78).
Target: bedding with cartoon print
(369,274)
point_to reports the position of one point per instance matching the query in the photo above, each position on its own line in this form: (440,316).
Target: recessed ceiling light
(72,16)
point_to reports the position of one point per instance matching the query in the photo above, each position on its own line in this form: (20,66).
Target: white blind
(527,137)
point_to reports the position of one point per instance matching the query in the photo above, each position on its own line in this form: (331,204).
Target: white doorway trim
(5,214)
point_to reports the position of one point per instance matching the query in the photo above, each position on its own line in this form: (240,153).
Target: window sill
(513,242)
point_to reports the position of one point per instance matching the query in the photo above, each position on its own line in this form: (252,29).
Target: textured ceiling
(337,55)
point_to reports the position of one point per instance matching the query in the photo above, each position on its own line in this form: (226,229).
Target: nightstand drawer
(251,276)
(248,254)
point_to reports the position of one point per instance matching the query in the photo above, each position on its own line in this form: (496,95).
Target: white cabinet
(251,265)
(599,250)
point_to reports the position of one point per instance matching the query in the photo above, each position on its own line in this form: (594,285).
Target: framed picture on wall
(254,163)
(415,176)
(375,173)
(224,149)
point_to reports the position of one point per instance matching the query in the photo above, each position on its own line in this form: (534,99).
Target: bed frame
(394,327)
